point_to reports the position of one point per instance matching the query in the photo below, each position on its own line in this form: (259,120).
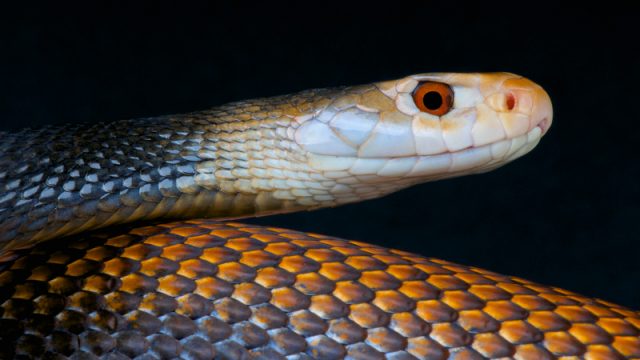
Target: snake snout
(542,113)
(524,96)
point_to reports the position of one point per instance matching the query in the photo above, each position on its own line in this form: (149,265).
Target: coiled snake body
(77,282)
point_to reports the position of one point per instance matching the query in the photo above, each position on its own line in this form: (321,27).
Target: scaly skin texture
(203,290)
(60,181)
(313,149)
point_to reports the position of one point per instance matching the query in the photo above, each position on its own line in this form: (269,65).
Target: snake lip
(544,125)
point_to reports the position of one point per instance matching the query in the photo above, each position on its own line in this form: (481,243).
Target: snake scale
(80,280)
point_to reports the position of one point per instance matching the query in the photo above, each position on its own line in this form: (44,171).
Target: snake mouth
(476,159)
(470,160)
(544,125)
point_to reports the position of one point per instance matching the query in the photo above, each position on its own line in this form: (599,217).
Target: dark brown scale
(204,289)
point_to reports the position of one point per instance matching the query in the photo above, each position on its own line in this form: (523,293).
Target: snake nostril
(510,101)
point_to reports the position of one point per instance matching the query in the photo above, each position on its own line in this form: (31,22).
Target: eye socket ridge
(433,97)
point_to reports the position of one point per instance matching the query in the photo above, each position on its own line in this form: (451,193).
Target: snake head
(425,127)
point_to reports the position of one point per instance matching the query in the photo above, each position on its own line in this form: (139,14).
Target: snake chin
(480,159)
(375,177)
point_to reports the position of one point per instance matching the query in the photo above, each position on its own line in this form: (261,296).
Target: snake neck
(232,161)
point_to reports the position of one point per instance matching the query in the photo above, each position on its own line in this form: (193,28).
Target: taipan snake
(78,280)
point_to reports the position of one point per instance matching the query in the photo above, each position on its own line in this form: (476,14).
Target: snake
(121,240)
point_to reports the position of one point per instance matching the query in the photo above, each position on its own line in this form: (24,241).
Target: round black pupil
(432,100)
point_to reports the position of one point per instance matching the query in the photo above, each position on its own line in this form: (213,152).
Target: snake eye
(433,97)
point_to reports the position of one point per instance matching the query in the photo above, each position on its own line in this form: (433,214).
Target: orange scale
(196,269)
(379,280)
(406,272)
(283,248)
(179,252)
(259,259)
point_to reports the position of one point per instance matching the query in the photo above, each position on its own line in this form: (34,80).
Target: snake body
(78,282)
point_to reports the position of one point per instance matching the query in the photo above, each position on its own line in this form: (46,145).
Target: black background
(567,214)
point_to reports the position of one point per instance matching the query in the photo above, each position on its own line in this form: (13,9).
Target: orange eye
(433,97)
